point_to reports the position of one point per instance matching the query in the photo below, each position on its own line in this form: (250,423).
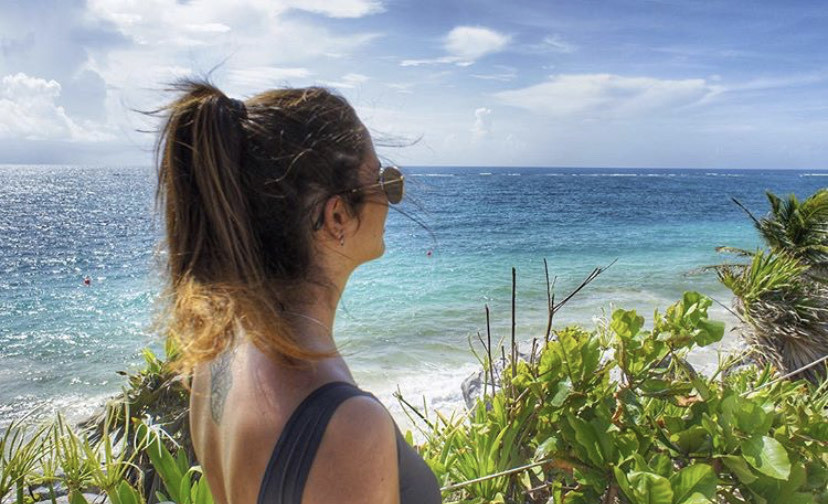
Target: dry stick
(489,349)
(503,359)
(485,378)
(612,493)
(514,345)
(399,397)
(495,475)
(592,276)
(550,303)
(822,359)
(728,309)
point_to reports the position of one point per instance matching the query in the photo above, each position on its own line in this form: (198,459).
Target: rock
(472,386)
(91,498)
(43,491)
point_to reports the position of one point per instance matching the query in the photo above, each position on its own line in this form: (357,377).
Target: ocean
(406,320)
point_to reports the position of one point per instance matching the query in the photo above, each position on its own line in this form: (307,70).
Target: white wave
(814,174)
(604,174)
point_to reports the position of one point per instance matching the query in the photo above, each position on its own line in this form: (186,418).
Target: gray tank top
(287,472)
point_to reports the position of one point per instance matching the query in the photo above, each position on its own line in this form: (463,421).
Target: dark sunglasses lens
(394,184)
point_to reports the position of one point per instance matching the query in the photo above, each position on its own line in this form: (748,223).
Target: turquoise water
(406,319)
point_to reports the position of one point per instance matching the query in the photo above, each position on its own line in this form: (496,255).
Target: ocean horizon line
(492,168)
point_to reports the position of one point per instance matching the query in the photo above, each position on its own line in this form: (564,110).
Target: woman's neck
(312,316)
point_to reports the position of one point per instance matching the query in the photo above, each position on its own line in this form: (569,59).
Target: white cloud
(506,74)
(338,8)
(208,27)
(250,43)
(401,87)
(431,61)
(592,96)
(465,45)
(765,83)
(556,43)
(482,123)
(29,110)
(349,81)
(470,43)
(265,77)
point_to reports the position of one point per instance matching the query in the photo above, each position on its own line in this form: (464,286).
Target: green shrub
(618,415)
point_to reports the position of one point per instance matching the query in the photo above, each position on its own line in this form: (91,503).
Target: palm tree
(782,293)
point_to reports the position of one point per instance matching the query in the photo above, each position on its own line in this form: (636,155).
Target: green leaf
(817,475)
(184,489)
(587,438)
(691,440)
(710,331)
(740,468)
(203,494)
(694,484)
(162,461)
(767,456)
(127,494)
(626,324)
(651,488)
(623,483)
(545,448)
(562,390)
(76,497)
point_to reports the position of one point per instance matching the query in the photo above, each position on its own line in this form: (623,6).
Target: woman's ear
(337,216)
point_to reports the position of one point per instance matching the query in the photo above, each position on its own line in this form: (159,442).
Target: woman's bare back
(240,404)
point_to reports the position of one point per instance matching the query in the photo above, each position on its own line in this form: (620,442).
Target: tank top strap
(287,471)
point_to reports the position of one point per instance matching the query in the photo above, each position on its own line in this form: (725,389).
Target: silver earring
(342,240)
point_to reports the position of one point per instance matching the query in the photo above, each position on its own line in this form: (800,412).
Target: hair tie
(239,107)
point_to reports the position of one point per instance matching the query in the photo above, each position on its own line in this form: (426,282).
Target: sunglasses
(392,182)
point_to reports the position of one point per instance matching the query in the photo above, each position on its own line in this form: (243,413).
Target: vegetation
(610,415)
(781,294)
(618,415)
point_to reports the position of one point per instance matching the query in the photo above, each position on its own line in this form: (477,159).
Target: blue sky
(617,83)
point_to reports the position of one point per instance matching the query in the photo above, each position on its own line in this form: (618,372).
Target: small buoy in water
(87,281)
(429,253)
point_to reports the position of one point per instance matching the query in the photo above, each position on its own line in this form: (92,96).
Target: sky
(563,83)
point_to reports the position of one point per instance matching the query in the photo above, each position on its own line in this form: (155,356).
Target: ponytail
(217,281)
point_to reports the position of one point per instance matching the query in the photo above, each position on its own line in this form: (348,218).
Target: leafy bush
(618,415)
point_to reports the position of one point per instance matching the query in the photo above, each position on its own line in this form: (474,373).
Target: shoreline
(436,386)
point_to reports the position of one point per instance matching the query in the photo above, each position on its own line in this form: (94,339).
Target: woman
(270,205)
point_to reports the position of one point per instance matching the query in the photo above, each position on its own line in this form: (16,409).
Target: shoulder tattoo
(221,379)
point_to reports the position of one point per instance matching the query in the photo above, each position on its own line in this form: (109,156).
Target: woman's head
(243,187)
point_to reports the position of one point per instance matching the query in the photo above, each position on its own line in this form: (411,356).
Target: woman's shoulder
(357,459)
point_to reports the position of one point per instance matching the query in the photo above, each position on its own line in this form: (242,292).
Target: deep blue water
(405,319)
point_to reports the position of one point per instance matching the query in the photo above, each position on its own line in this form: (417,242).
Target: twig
(728,309)
(489,348)
(398,396)
(592,276)
(495,475)
(822,359)
(550,302)
(514,345)
(612,493)
(485,377)
(503,357)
